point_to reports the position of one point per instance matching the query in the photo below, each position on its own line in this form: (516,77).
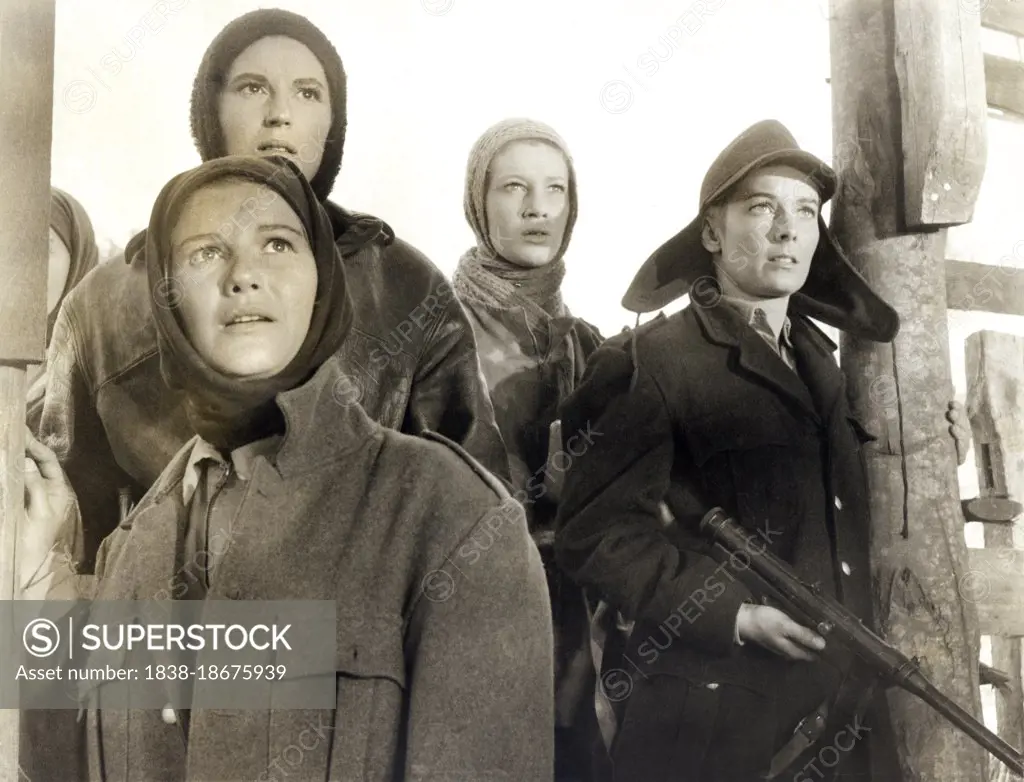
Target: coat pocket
(361,738)
(736,431)
(750,461)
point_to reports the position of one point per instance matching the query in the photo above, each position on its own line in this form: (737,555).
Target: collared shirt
(213,490)
(756,318)
(241,461)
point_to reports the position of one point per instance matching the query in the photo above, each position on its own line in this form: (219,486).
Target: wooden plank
(1007,16)
(979,287)
(995,372)
(12,456)
(918,554)
(26,98)
(26,86)
(996,584)
(1004,83)
(941,77)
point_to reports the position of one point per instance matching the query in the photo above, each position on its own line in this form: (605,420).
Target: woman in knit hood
(521,202)
(435,678)
(270,83)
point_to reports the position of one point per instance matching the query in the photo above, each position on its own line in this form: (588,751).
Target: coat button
(847,570)
(839,504)
(712,685)
(168,716)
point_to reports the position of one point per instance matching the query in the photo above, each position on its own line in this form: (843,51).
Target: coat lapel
(817,367)
(725,327)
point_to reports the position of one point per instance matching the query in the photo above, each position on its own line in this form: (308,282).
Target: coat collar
(323,422)
(323,425)
(813,391)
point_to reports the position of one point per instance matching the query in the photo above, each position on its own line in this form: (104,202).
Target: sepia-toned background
(646,92)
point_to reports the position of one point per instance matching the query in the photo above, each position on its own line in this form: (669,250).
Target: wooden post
(892,63)
(26,97)
(995,376)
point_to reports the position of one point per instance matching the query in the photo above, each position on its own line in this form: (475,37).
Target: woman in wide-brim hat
(834,293)
(735,402)
(454,682)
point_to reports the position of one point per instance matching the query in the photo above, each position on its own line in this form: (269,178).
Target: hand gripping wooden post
(26,96)
(908,98)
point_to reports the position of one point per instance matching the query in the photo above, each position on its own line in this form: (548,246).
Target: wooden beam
(1004,83)
(26,95)
(997,583)
(941,77)
(1007,16)
(995,372)
(979,287)
(917,544)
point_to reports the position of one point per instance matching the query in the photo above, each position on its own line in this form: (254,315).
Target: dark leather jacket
(410,362)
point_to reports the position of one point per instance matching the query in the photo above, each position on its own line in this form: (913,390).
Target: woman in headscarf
(521,202)
(73,254)
(269,83)
(249,322)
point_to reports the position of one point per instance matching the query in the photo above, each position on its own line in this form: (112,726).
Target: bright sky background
(646,92)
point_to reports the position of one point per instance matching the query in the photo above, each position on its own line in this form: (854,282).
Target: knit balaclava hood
(225,49)
(482,273)
(490,143)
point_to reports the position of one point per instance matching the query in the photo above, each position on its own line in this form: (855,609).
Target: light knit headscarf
(482,273)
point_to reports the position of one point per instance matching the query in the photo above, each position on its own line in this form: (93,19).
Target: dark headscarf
(234,39)
(71,223)
(228,411)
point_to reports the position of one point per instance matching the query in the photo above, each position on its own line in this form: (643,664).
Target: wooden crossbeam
(1004,83)
(1007,16)
(997,588)
(979,287)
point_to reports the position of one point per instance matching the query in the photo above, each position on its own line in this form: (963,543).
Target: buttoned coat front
(697,411)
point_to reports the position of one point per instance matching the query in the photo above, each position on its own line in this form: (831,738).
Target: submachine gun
(832,621)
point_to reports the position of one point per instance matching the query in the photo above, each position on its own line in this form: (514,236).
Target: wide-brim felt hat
(834,293)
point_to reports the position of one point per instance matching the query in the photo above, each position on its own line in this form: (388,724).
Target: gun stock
(834,622)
